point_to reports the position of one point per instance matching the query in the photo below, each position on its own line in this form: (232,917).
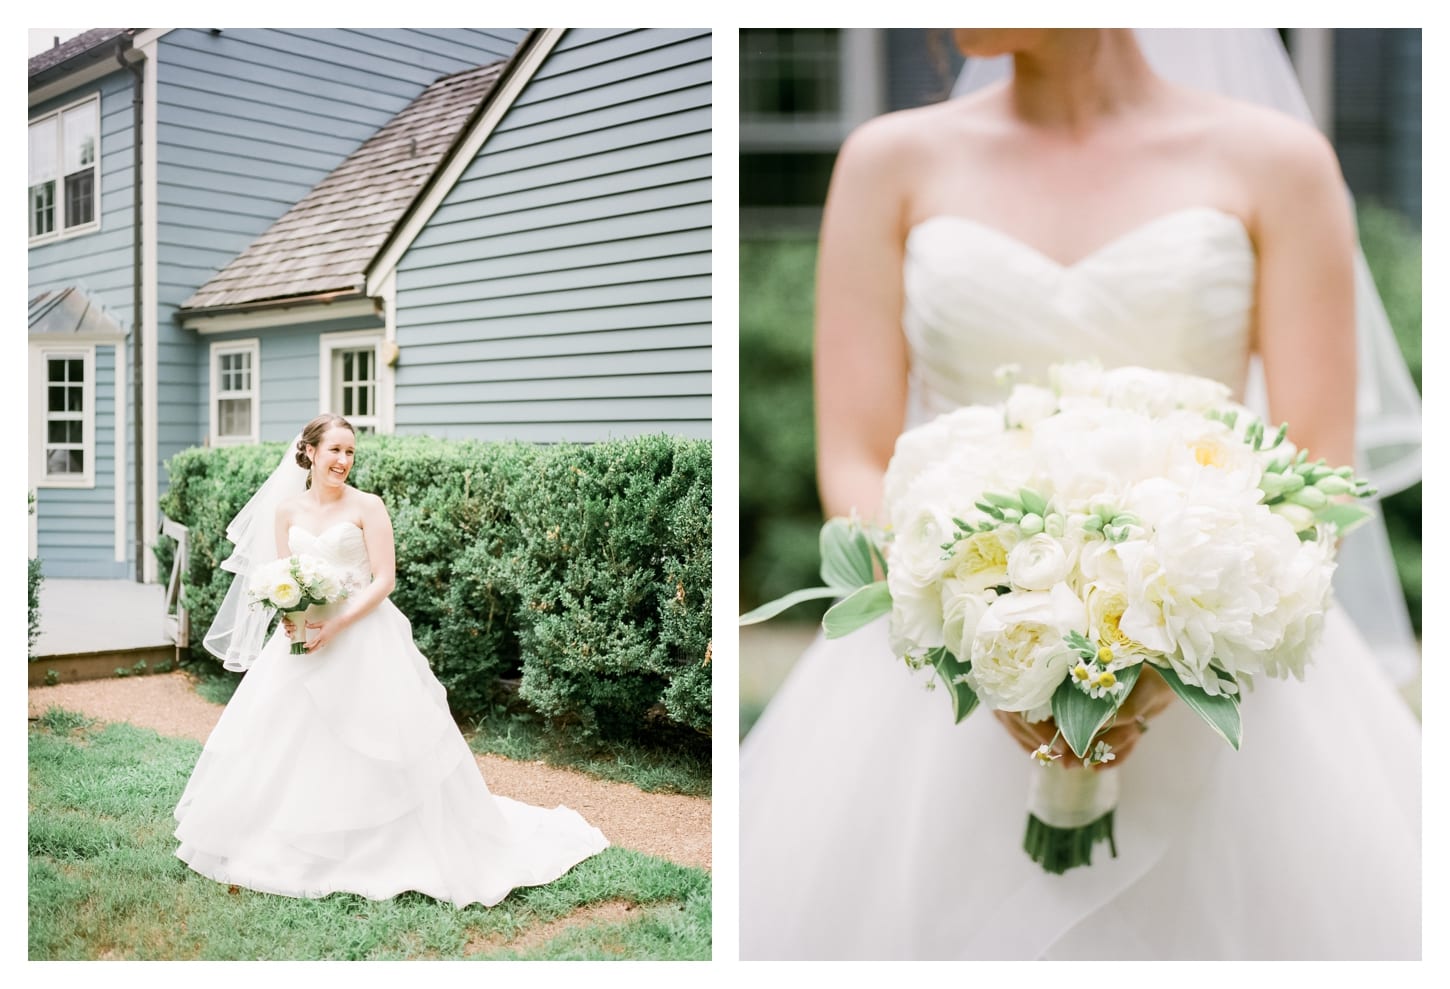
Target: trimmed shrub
(583,572)
(33,599)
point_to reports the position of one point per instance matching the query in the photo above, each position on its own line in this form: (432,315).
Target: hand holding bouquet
(300,587)
(1041,553)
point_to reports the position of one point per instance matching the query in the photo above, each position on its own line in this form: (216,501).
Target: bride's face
(332,457)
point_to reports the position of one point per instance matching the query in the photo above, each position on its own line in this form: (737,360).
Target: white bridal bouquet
(1038,554)
(302,587)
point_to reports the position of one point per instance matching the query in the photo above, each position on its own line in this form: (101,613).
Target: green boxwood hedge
(581,572)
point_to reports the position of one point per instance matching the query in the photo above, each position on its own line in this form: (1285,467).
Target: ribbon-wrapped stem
(1069,810)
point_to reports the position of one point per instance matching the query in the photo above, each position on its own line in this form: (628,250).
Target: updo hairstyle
(312,435)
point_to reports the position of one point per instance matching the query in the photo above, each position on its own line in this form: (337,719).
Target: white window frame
(61,231)
(215,395)
(381,421)
(39,414)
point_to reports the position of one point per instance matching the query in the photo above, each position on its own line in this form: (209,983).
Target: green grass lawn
(104,881)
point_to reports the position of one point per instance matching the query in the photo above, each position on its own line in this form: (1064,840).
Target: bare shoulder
(1273,150)
(368,505)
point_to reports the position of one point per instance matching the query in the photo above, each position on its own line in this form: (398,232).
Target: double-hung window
(67,386)
(235,405)
(351,376)
(64,182)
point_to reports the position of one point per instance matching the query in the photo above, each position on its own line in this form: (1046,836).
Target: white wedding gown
(872,826)
(343,771)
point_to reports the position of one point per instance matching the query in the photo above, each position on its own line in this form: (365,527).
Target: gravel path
(666,825)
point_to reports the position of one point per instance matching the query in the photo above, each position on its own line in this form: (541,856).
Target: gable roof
(321,247)
(84,44)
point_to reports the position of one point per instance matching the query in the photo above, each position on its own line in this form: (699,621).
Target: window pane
(76,370)
(80,200)
(77,461)
(79,132)
(73,431)
(56,399)
(234,416)
(57,461)
(364,401)
(43,147)
(347,366)
(42,209)
(55,431)
(75,399)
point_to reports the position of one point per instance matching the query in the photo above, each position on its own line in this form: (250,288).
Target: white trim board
(149,453)
(499,104)
(279,315)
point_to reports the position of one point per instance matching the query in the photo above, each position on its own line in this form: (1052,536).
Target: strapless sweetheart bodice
(341,544)
(1176,293)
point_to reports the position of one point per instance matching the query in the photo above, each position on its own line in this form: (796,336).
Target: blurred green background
(780,515)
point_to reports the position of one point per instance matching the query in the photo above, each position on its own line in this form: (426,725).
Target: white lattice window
(235,398)
(351,376)
(64,452)
(64,184)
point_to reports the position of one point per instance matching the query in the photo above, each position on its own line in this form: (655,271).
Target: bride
(342,770)
(1087,208)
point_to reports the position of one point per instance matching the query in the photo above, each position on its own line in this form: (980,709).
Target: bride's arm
(378,534)
(1306,321)
(860,353)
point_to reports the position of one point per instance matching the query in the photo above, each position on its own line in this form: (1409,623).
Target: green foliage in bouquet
(579,573)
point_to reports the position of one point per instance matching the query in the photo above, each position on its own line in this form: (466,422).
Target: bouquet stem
(313,613)
(1069,810)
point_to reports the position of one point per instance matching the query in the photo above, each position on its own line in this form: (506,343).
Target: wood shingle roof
(324,243)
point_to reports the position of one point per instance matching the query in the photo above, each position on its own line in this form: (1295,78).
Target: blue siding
(290,371)
(76,531)
(562,290)
(249,121)
(76,527)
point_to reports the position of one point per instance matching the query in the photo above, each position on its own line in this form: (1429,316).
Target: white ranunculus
(1019,656)
(979,561)
(917,566)
(1028,405)
(1037,563)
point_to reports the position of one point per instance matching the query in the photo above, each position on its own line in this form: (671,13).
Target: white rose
(962,609)
(284,593)
(1019,656)
(1028,405)
(1037,563)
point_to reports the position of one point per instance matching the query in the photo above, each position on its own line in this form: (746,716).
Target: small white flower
(1044,754)
(1101,753)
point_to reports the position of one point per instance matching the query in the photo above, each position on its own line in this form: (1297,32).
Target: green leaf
(772,608)
(1342,517)
(950,669)
(1080,717)
(861,607)
(845,555)
(1220,712)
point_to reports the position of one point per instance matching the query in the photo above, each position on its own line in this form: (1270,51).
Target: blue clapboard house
(491,233)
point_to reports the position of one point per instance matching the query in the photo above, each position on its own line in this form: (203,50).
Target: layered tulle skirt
(343,771)
(872,826)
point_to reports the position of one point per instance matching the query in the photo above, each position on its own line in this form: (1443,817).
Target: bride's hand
(325,632)
(290,628)
(1148,699)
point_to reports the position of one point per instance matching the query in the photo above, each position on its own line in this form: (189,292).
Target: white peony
(1037,563)
(1206,588)
(962,609)
(1028,405)
(1019,656)
(917,567)
(1094,453)
(1157,393)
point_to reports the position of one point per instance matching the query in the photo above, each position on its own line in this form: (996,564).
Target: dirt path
(666,825)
